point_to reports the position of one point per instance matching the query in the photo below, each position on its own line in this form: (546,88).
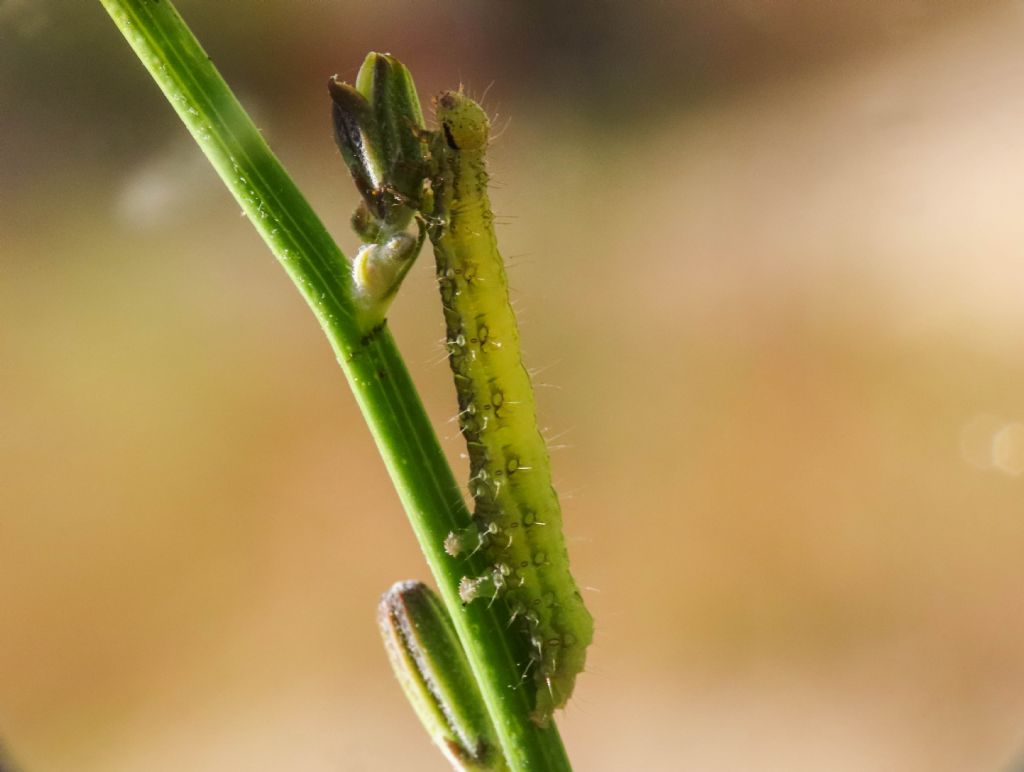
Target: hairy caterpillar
(517,517)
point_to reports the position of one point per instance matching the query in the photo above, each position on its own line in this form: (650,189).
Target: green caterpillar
(517,517)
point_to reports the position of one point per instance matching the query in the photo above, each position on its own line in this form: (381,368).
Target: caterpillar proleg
(517,516)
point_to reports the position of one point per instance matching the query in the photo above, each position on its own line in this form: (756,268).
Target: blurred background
(768,261)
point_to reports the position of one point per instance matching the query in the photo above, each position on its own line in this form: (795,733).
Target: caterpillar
(517,519)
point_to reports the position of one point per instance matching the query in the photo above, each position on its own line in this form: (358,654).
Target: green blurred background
(768,261)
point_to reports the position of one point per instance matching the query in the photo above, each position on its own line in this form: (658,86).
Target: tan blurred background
(768,259)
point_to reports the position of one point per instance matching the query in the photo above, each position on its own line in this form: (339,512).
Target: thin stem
(372,364)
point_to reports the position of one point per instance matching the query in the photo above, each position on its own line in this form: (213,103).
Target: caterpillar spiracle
(517,519)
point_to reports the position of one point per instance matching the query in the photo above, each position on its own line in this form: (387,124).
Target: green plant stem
(372,364)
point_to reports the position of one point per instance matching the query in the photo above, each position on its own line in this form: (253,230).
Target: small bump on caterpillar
(517,517)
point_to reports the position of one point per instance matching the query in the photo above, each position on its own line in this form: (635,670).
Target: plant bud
(432,668)
(378,125)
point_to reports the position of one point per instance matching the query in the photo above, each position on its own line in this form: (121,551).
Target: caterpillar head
(463,121)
